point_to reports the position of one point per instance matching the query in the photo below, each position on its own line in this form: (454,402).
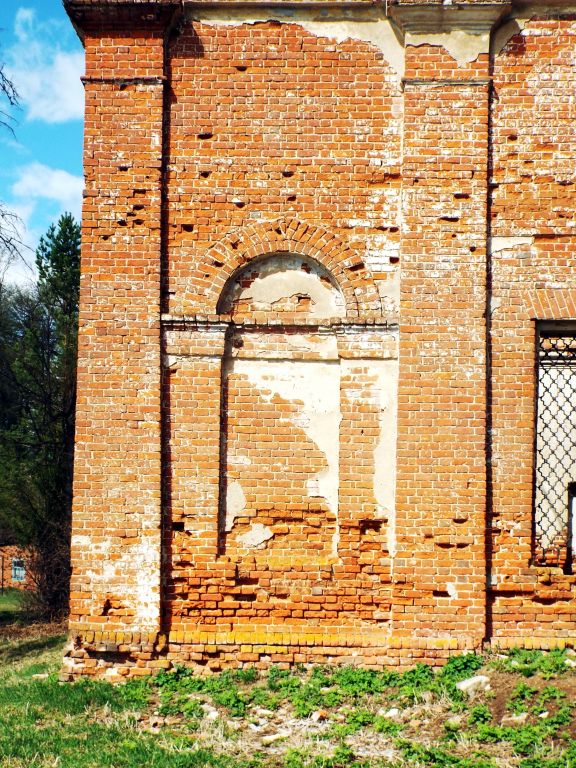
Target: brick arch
(239,248)
(550,304)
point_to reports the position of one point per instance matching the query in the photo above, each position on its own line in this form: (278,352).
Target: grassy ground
(10,606)
(319,718)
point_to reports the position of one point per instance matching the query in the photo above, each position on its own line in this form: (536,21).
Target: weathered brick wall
(116,536)
(440,568)
(533,245)
(315,247)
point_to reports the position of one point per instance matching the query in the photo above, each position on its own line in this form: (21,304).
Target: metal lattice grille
(555,446)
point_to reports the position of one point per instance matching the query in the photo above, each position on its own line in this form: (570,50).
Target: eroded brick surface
(315,247)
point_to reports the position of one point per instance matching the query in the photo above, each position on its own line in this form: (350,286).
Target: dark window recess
(555,460)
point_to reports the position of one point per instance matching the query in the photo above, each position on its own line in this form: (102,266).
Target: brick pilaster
(116,523)
(441,492)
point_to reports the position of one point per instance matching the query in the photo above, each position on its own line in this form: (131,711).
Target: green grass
(11,605)
(322,717)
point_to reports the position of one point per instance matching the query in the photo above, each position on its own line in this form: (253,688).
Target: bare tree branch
(9,92)
(10,224)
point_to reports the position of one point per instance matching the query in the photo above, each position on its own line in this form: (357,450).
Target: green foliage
(387,726)
(460,667)
(438,758)
(527,662)
(343,757)
(546,697)
(521,698)
(355,721)
(38,343)
(567,759)
(11,604)
(479,714)
(355,681)
(176,687)
(92,724)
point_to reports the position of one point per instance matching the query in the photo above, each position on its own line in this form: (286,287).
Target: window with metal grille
(555,465)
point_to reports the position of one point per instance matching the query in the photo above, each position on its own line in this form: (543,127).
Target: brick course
(315,245)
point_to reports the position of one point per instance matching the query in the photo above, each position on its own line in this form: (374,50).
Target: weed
(547,696)
(460,667)
(355,681)
(355,721)
(387,726)
(432,756)
(528,662)
(479,714)
(520,699)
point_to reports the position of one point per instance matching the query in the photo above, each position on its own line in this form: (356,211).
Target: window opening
(555,469)
(18,569)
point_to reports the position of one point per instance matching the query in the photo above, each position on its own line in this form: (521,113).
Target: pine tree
(38,342)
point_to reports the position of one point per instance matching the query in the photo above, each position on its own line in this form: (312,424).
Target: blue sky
(41,166)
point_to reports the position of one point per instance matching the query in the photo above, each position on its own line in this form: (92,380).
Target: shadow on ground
(18,651)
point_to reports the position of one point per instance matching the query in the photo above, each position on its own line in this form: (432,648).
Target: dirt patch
(31,631)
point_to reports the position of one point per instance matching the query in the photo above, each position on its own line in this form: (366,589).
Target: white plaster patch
(235,503)
(256,536)
(267,291)
(378,32)
(239,459)
(325,347)
(452,590)
(508,243)
(314,388)
(146,556)
(81,541)
(505,33)
(464,47)
(279,282)
(495,304)
(385,450)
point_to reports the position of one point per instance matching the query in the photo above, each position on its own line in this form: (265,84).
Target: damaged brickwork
(319,244)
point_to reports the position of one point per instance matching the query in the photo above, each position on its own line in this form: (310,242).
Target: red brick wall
(116,541)
(429,180)
(533,279)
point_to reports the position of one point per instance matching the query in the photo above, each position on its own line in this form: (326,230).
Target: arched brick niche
(288,236)
(284,287)
(280,443)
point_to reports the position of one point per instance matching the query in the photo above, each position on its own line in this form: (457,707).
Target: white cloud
(40,182)
(21,269)
(46,75)
(39,196)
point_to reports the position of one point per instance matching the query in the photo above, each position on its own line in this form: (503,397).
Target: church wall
(318,247)
(532,249)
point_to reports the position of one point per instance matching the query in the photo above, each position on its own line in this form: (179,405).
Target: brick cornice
(89,15)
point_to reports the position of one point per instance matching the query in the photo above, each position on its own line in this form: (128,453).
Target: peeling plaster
(267,291)
(384,478)
(325,347)
(277,282)
(464,47)
(508,243)
(452,590)
(495,304)
(314,387)
(145,555)
(235,503)
(505,33)
(256,536)
(378,32)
